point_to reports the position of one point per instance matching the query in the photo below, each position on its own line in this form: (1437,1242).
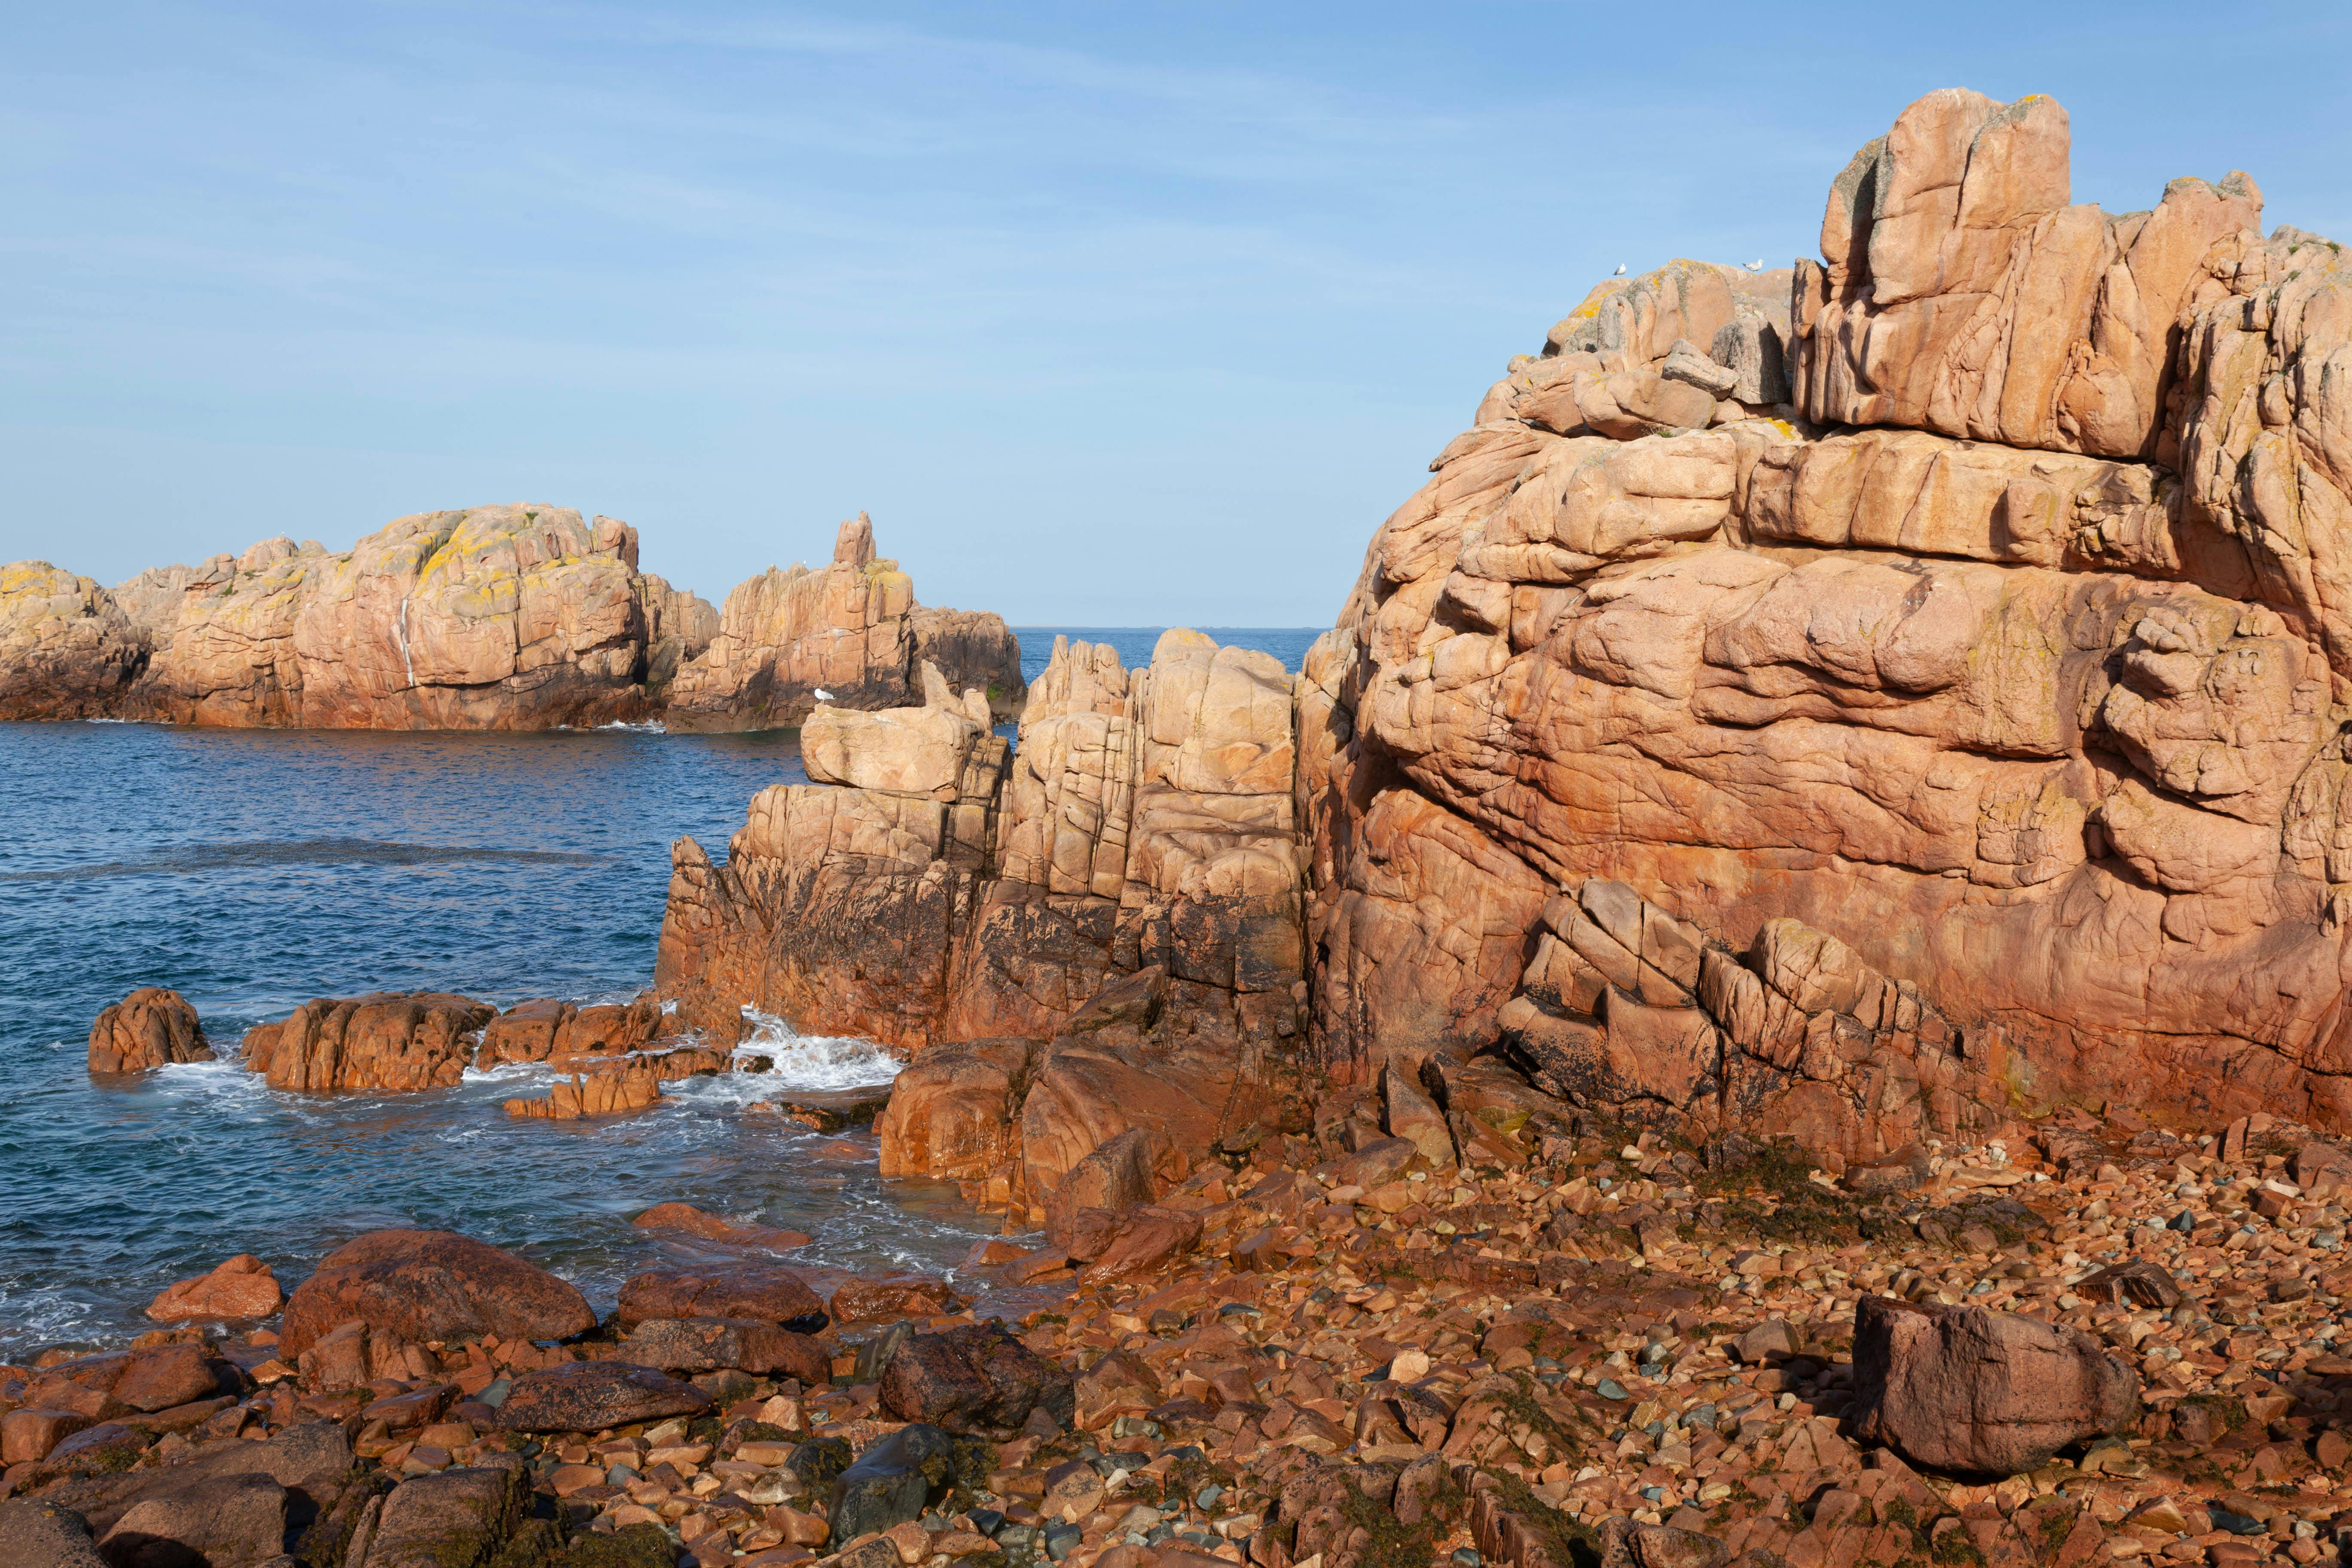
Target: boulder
(236,1522)
(614,1092)
(893,1481)
(149,1028)
(954,1110)
(148,1379)
(29,1433)
(1115,1177)
(980,1374)
(1983,1392)
(458,1517)
(35,1534)
(1414,1117)
(240,1289)
(432,1285)
(765,1291)
(920,752)
(708,1345)
(382,1042)
(105,1448)
(1148,1238)
(591,1396)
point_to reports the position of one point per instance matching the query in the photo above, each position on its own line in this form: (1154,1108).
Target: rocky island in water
(1773,994)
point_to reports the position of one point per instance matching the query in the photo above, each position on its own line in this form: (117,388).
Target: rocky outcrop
(851,632)
(147,1029)
(498,617)
(382,1043)
(67,651)
(2018,709)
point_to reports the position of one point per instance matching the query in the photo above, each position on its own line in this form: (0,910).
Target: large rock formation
(67,651)
(852,632)
(493,617)
(1869,703)
(2035,741)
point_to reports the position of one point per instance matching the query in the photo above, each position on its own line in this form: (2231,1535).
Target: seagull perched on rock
(1620,272)
(823,695)
(1755,266)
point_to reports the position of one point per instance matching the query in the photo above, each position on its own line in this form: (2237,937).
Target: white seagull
(1620,272)
(823,695)
(1757,264)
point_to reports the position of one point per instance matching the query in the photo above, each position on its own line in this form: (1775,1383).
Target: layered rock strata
(493,617)
(850,634)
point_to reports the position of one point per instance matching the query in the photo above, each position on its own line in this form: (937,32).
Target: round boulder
(426,1285)
(147,1029)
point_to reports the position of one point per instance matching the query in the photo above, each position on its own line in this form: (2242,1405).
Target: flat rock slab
(589,1396)
(767,1291)
(710,1344)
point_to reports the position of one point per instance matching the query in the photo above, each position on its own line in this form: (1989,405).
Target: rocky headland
(494,617)
(1773,994)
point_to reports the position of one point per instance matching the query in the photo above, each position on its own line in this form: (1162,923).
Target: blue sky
(1110,315)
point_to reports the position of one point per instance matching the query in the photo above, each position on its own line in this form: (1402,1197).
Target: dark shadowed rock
(891,1481)
(1961,1388)
(587,1396)
(457,1518)
(771,1293)
(432,1285)
(2142,1283)
(708,1345)
(231,1521)
(980,1374)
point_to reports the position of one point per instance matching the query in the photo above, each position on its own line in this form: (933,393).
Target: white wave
(225,1078)
(815,1061)
(647,727)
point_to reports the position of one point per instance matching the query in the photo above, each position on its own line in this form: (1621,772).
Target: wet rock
(611,1091)
(382,1043)
(455,1520)
(691,1221)
(432,1285)
(1964,1389)
(147,1029)
(589,1397)
(893,1296)
(36,1534)
(891,1482)
(767,1291)
(707,1344)
(241,1288)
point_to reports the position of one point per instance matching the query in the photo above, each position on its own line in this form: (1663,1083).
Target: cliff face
(499,617)
(2030,699)
(851,631)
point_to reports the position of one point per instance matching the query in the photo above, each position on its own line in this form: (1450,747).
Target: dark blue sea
(252,870)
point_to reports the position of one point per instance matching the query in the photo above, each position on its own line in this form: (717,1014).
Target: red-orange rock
(693,1221)
(239,1289)
(382,1042)
(432,1285)
(147,1029)
(762,1291)
(893,1295)
(1961,1388)
(852,630)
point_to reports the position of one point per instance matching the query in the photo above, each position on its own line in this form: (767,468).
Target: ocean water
(1288,644)
(252,870)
